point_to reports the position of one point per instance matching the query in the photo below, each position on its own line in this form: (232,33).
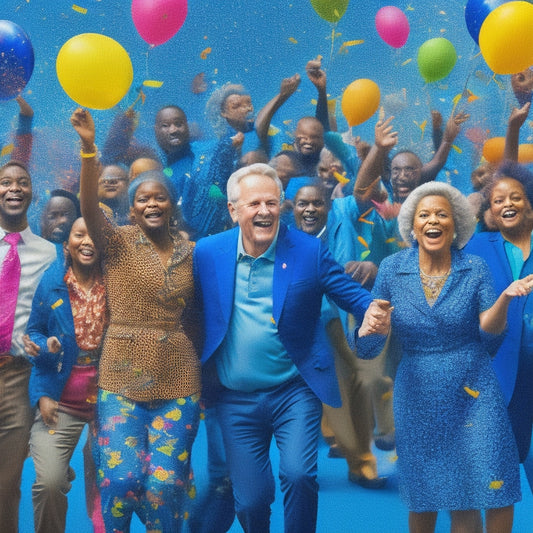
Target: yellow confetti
(79,9)
(473,393)
(183,456)
(204,53)
(272,320)
(347,44)
(362,241)
(287,122)
(390,239)
(496,484)
(363,219)
(456,98)
(442,12)
(6,150)
(457,149)
(409,8)
(153,83)
(407,61)
(393,459)
(57,303)
(293,40)
(51,432)
(422,125)
(341,178)
(272,130)
(386,396)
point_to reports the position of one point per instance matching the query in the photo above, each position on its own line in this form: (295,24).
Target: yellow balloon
(506,37)
(360,101)
(94,70)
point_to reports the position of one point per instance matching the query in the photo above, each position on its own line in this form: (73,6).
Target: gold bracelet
(86,155)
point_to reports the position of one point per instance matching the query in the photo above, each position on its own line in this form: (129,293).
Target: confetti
(362,241)
(293,40)
(153,83)
(57,303)
(407,61)
(341,178)
(496,484)
(473,393)
(79,9)
(6,150)
(204,53)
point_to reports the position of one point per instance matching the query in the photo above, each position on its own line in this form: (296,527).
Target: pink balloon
(392,26)
(157,21)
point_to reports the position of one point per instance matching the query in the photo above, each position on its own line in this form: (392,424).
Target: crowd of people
(328,287)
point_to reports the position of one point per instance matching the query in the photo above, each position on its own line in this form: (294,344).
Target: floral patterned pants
(143,458)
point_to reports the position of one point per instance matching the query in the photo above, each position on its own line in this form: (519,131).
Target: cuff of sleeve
(24,124)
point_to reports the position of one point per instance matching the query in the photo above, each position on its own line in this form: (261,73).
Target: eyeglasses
(408,172)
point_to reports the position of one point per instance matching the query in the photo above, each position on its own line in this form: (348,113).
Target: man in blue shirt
(266,356)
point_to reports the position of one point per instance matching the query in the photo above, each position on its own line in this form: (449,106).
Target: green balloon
(330,10)
(436,59)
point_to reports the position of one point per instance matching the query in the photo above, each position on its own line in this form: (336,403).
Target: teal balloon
(330,10)
(436,59)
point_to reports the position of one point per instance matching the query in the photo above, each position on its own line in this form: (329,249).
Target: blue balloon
(476,12)
(16,59)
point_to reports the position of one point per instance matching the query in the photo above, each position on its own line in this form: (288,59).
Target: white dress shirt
(36,254)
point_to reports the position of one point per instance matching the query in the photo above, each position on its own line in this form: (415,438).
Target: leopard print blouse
(150,349)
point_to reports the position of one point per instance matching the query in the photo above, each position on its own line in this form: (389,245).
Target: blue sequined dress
(454,442)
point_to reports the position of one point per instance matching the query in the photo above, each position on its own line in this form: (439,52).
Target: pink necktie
(9,287)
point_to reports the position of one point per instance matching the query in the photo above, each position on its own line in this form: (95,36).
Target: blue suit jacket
(51,315)
(490,246)
(303,272)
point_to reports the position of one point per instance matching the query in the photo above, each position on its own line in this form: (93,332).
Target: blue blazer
(513,363)
(304,271)
(51,315)
(490,246)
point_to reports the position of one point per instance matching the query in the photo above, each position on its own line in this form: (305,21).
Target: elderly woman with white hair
(455,446)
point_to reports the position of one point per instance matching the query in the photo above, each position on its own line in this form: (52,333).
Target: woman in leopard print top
(149,375)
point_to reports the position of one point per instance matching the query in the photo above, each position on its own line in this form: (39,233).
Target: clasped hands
(377,318)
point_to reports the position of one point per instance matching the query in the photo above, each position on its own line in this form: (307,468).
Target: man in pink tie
(23,259)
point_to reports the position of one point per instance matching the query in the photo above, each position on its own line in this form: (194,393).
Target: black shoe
(367,483)
(335,452)
(386,442)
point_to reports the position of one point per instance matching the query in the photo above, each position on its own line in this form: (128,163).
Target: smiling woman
(149,369)
(450,322)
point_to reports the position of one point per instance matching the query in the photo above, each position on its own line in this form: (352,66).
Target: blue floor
(343,507)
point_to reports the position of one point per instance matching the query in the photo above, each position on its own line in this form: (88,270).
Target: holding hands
(377,318)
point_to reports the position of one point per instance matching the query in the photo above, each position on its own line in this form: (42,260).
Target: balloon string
(333,31)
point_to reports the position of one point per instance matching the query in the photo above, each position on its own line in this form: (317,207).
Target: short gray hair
(261,169)
(463,215)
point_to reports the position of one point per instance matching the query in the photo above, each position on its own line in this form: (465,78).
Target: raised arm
(264,117)
(318,78)
(367,185)
(24,137)
(515,122)
(95,219)
(494,320)
(453,128)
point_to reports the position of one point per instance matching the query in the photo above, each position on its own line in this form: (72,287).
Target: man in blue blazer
(261,285)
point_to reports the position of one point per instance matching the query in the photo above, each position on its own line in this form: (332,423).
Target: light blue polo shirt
(252,356)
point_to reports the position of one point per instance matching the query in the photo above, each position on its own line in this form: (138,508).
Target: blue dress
(455,446)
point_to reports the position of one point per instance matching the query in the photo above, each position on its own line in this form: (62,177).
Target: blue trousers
(291,414)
